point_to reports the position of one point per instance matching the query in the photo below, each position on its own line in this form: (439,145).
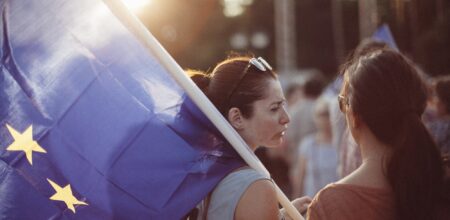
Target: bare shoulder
(331,192)
(259,201)
(335,201)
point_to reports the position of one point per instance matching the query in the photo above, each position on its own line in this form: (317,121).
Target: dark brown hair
(234,83)
(386,92)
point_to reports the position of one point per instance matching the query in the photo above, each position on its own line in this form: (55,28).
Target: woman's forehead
(274,92)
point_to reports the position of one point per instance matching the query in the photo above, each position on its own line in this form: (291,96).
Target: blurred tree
(315,36)
(433,47)
(351,25)
(197,33)
(422,31)
(181,25)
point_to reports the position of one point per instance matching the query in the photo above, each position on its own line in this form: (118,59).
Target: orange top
(346,201)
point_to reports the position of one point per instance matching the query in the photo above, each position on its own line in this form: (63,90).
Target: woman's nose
(285,118)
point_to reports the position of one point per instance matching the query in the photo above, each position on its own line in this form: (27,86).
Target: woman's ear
(235,118)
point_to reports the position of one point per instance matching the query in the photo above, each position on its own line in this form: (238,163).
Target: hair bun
(200,78)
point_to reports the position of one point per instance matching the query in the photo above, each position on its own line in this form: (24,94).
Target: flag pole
(130,21)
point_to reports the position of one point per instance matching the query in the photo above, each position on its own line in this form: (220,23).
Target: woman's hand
(301,204)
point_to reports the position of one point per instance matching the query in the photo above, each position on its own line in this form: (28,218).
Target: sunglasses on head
(261,64)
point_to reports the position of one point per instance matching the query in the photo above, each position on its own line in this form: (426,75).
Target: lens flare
(136,5)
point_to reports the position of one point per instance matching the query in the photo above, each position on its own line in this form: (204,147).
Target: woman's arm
(259,201)
(301,204)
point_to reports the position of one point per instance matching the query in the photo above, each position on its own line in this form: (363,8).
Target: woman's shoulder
(330,192)
(242,175)
(337,190)
(237,181)
(236,186)
(259,201)
(325,203)
(339,201)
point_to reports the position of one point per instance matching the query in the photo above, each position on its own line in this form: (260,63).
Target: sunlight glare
(136,5)
(233,8)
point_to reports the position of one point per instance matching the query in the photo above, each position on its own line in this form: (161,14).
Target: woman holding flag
(248,94)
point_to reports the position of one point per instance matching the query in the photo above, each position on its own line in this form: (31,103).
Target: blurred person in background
(294,94)
(302,122)
(317,157)
(440,126)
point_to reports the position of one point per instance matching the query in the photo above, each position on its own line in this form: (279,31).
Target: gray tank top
(226,195)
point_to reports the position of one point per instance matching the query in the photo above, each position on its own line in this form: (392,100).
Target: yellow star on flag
(65,195)
(24,142)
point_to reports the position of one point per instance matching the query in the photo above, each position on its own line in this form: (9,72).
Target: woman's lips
(281,134)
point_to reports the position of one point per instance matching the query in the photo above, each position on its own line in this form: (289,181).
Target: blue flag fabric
(91,125)
(383,33)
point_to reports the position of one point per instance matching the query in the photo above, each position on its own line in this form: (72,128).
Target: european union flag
(91,124)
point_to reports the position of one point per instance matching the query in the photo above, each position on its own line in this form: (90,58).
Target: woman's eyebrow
(278,102)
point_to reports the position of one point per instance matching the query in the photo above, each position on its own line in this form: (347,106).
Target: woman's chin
(275,143)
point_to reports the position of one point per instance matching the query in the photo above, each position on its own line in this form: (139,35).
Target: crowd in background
(319,148)
(361,145)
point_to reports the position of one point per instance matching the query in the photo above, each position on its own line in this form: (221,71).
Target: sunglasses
(343,103)
(261,64)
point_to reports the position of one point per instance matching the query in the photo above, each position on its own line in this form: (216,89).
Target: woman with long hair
(401,176)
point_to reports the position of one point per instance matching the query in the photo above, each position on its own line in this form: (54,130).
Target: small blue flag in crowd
(91,125)
(383,33)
